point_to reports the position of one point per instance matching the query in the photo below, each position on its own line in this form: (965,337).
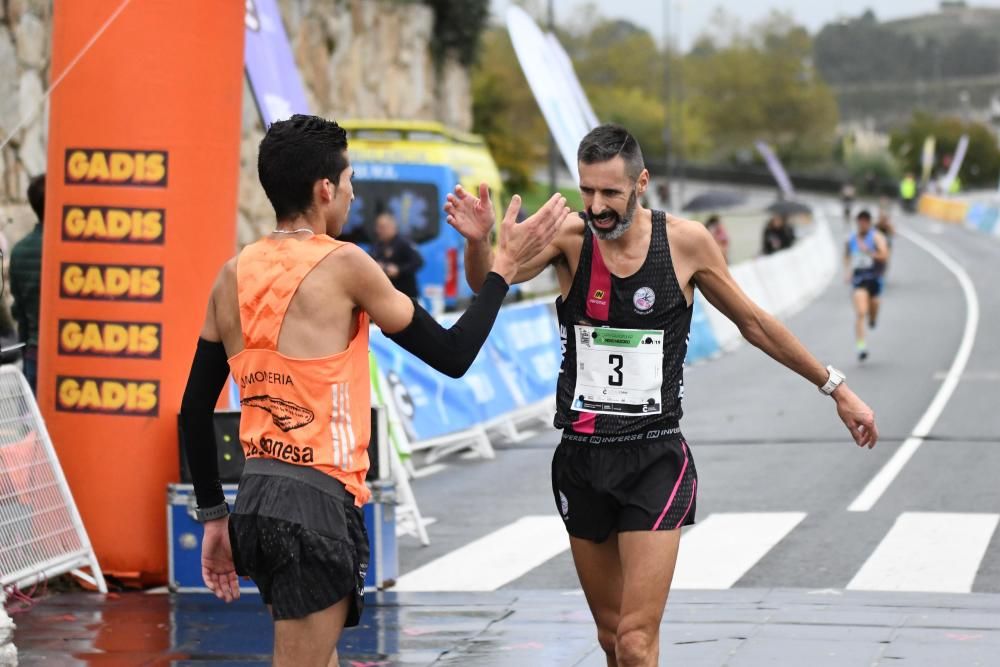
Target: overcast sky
(692,17)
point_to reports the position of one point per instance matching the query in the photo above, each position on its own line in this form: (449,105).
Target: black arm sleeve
(209,372)
(453,350)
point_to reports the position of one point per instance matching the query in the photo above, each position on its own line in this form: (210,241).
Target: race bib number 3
(618,371)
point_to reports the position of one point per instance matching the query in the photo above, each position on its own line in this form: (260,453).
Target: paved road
(777,469)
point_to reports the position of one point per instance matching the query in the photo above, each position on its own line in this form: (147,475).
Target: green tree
(982,160)
(763,86)
(505,113)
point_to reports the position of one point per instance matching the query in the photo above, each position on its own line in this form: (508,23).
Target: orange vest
(308,412)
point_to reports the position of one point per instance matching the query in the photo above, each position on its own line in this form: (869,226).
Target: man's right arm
(479,259)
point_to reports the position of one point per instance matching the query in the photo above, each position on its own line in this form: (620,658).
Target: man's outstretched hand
(472,216)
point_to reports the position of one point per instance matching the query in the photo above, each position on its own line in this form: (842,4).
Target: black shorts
(601,488)
(304,548)
(869,282)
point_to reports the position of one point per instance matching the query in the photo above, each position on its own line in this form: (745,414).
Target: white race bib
(618,371)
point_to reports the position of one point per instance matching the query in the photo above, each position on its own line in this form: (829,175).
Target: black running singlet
(648,302)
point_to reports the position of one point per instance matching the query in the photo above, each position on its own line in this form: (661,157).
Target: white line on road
(931,552)
(491,561)
(722,548)
(877,486)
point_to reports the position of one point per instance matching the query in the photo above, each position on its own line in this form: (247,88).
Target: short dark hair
(36,196)
(607,141)
(294,154)
(864,215)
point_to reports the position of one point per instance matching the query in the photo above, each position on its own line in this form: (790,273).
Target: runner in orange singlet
(289,319)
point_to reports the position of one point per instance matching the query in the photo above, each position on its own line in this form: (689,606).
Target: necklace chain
(293,231)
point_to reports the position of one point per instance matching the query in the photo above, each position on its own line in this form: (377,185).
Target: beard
(621,222)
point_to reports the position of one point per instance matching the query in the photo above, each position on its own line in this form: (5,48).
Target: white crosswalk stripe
(716,552)
(928,552)
(921,552)
(493,560)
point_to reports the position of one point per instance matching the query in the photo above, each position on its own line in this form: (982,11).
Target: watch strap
(211,513)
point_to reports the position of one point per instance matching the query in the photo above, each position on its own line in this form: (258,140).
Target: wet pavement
(737,627)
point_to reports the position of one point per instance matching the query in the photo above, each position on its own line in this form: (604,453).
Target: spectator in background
(396,255)
(778,235)
(25,280)
(847,194)
(719,233)
(908,193)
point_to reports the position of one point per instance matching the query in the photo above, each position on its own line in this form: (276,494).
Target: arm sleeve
(209,372)
(453,350)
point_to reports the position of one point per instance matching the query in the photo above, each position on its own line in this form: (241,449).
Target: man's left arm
(208,375)
(764,331)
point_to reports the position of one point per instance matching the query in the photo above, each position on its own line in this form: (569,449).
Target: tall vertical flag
(776,168)
(143,163)
(956,163)
(270,64)
(558,95)
(927,159)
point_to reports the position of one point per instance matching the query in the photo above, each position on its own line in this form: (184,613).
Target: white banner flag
(776,168)
(956,164)
(552,91)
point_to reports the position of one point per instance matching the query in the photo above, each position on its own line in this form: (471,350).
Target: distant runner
(865,258)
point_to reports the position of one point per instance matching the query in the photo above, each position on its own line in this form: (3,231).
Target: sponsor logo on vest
(138,398)
(269,377)
(111,166)
(599,294)
(285,451)
(643,299)
(286,415)
(95,338)
(110,282)
(113,225)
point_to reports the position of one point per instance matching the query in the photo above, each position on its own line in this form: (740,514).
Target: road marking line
(722,548)
(881,481)
(933,552)
(493,560)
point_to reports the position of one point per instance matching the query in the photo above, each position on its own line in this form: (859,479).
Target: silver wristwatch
(836,377)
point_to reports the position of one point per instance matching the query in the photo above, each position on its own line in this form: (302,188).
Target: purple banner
(274,79)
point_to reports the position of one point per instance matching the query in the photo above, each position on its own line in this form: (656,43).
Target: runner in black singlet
(623,477)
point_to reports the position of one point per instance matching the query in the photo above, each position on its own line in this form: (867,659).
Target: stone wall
(24,75)
(357,58)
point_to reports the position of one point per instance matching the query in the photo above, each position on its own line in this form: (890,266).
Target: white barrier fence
(41,533)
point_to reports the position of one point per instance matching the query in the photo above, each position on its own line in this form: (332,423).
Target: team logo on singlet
(599,294)
(286,415)
(643,299)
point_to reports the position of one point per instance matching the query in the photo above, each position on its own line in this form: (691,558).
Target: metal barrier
(41,533)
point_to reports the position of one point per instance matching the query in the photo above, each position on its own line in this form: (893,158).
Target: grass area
(533,199)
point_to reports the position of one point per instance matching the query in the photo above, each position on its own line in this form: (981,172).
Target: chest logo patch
(643,299)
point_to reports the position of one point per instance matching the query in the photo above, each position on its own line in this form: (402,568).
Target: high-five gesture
(471,216)
(520,242)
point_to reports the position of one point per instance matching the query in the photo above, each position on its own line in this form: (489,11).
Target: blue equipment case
(184,536)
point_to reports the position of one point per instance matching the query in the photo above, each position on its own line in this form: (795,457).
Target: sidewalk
(736,627)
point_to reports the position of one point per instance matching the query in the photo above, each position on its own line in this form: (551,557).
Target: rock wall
(357,58)
(24,75)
